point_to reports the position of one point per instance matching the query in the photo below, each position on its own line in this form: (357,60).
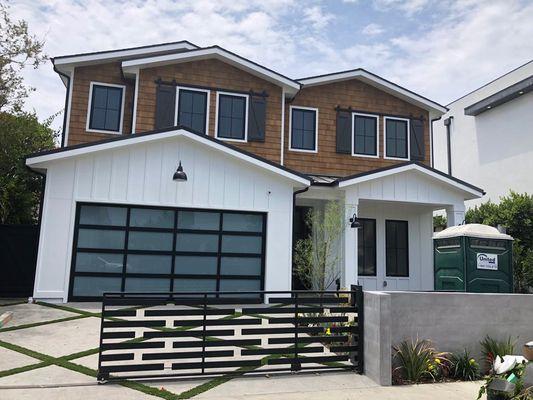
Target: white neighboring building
(490,136)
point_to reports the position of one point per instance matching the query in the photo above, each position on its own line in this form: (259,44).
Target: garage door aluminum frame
(219,254)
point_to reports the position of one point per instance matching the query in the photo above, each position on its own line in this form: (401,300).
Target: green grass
(67,308)
(34,324)
(19,370)
(14,303)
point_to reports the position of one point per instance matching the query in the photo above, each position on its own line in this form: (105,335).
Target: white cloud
(317,17)
(468,44)
(410,7)
(372,30)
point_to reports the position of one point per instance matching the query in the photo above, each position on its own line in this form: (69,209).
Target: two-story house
(190,169)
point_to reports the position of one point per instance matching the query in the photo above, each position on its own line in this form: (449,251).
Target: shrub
(418,360)
(464,367)
(490,348)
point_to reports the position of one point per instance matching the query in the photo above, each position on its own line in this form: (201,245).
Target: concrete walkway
(50,352)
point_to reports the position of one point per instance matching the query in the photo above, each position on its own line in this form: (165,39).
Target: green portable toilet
(473,258)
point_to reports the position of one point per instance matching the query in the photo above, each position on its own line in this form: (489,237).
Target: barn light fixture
(355,222)
(179,175)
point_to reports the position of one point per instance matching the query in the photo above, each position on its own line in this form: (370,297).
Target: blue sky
(440,49)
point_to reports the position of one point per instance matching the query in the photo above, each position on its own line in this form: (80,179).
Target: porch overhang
(413,169)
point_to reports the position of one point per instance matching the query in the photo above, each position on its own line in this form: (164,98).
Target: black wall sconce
(354,222)
(179,175)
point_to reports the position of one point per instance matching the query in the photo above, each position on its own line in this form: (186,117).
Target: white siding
(142,174)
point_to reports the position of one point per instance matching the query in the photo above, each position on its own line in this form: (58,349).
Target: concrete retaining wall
(452,321)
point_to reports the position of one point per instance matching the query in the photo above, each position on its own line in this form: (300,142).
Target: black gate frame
(290,359)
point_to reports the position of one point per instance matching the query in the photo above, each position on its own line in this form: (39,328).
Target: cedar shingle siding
(217,74)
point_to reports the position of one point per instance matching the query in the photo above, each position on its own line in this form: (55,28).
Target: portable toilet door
(449,261)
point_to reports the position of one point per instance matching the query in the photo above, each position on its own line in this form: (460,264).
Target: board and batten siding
(142,174)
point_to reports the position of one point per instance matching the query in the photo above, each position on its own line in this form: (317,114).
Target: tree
(20,188)
(515,212)
(18,49)
(317,257)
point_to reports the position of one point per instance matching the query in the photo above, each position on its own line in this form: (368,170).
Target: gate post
(360,304)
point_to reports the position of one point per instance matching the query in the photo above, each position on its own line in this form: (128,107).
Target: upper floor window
(106,108)
(396,138)
(365,135)
(232,118)
(193,109)
(304,129)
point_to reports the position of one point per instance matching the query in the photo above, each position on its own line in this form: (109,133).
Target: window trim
(290,128)
(375,249)
(208,102)
(408,122)
(247,105)
(89,107)
(406,222)
(354,154)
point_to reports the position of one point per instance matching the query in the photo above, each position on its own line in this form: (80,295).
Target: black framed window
(231,123)
(366,247)
(365,131)
(397,248)
(192,109)
(105,112)
(396,137)
(303,129)
(141,248)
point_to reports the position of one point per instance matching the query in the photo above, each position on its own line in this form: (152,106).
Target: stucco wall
(452,321)
(493,150)
(142,174)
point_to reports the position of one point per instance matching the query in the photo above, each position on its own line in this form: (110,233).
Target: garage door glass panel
(241,244)
(240,266)
(97,215)
(196,242)
(242,222)
(99,262)
(198,220)
(150,241)
(100,239)
(146,217)
(95,285)
(149,264)
(240,284)
(147,285)
(195,285)
(196,265)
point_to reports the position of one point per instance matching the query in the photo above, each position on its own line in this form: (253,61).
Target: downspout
(448,124)
(282,126)
(67,95)
(432,140)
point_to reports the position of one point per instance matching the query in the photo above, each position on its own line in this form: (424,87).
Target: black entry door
(163,249)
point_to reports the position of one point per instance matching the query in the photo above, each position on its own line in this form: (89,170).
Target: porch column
(455,215)
(350,243)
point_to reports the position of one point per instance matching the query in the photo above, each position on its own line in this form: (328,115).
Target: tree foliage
(20,188)
(18,50)
(515,212)
(317,257)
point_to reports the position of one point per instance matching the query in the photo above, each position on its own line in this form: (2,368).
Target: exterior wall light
(179,175)
(355,222)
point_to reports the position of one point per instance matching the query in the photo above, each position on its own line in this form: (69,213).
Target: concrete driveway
(50,352)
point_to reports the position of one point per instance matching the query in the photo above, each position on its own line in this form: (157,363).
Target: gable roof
(412,166)
(37,160)
(130,67)
(378,82)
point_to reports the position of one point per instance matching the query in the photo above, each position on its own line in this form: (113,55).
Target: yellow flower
(328,331)
(437,361)
(472,361)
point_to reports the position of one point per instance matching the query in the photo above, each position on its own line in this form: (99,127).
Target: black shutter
(165,106)
(256,119)
(418,148)
(344,132)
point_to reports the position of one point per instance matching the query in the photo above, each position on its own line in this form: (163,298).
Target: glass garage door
(147,249)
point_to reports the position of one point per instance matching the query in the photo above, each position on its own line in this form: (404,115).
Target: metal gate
(216,333)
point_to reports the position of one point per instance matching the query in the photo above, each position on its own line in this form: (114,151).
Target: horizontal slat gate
(175,334)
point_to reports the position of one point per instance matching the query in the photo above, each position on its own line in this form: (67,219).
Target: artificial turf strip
(18,370)
(34,324)
(69,309)
(15,303)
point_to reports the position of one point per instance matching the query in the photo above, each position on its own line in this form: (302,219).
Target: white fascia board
(130,66)
(117,54)
(412,167)
(39,162)
(378,82)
